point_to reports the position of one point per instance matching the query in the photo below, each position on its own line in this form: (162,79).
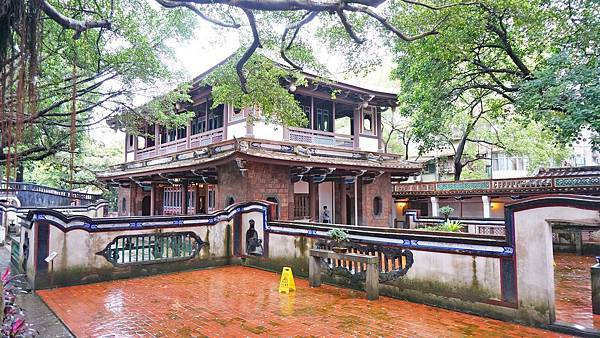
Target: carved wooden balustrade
(394,262)
(318,137)
(515,186)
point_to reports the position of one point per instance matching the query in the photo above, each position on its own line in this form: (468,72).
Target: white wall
(301,187)
(368,143)
(533,249)
(326,198)
(236,130)
(267,131)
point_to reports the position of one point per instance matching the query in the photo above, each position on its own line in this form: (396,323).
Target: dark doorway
(349,210)
(146,206)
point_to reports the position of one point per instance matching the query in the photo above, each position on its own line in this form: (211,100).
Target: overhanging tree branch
(239,67)
(65,21)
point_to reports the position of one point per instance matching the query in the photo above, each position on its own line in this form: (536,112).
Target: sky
(209,46)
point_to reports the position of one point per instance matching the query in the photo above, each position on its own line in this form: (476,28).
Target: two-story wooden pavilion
(221,158)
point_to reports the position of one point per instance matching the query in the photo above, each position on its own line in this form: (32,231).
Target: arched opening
(124,205)
(229,201)
(276,201)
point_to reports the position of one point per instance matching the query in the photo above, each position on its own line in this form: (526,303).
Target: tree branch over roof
(174,4)
(296,26)
(65,21)
(239,67)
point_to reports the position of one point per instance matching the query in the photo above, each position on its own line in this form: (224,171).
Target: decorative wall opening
(276,201)
(229,201)
(152,248)
(377,206)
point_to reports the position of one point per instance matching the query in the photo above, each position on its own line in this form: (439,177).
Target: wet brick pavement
(239,301)
(574,289)
(37,314)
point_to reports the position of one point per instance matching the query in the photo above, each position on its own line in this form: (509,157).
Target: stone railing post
(372,262)
(595,272)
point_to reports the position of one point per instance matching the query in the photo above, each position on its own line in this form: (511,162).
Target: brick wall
(382,187)
(262,181)
(132,207)
(231,184)
(124,193)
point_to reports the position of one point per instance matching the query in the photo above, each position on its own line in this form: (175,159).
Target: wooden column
(227,109)
(340,201)
(156,138)
(313,199)
(135,147)
(188,134)
(152,199)
(184,197)
(312,112)
(356,123)
(379,130)
(358,202)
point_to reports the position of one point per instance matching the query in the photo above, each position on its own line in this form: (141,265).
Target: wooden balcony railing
(197,140)
(204,139)
(566,184)
(320,137)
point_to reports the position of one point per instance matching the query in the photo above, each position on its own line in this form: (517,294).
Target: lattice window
(301,206)
(152,248)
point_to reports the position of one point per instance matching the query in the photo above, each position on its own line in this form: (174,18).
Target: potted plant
(446,211)
(340,239)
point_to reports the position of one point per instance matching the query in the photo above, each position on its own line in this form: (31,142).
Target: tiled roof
(262,150)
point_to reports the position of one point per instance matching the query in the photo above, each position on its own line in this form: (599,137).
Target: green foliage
(264,89)
(338,235)
(446,211)
(112,67)
(447,226)
(529,59)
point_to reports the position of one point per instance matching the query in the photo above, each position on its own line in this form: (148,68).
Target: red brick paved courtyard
(574,290)
(239,301)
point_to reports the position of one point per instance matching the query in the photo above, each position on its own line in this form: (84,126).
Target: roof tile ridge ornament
(243,146)
(202,152)
(302,151)
(374,157)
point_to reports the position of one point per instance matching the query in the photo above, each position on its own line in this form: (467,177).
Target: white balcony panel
(368,143)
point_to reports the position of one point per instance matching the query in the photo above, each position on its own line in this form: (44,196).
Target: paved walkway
(37,314)
(574,289)
(241,301)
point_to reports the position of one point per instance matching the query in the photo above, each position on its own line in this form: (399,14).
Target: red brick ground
(239,301)
(574,290)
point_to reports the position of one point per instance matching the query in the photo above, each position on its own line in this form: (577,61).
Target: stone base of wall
(77,276)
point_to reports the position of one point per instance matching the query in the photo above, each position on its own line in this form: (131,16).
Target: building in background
(222,157)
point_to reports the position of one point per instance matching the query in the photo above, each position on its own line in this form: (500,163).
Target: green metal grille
(150,248)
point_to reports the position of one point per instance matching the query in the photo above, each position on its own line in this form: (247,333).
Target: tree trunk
(460,150)
(20,171)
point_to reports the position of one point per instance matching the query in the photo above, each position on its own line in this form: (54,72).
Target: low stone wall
(91,249)
(461,271)
(457,271)
(11,214)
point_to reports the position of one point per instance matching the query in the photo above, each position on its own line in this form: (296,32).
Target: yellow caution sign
(286,283)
